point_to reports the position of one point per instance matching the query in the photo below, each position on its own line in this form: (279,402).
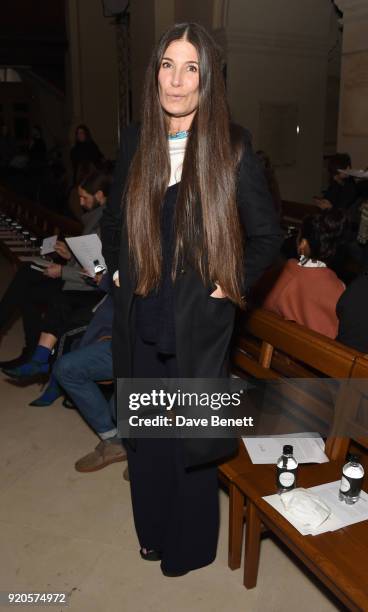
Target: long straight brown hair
(207,229)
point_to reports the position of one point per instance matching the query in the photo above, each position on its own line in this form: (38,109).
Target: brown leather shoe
(105,453)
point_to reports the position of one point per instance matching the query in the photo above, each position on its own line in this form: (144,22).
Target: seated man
(30,289)
(307,290)
(78,373)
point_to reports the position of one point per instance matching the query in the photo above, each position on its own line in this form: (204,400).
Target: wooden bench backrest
(35,217)
(293,212)
(266,339)
(310,353)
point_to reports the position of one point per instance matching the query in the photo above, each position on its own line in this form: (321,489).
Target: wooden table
(339,558)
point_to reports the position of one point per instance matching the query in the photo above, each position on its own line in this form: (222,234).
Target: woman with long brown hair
(188,190)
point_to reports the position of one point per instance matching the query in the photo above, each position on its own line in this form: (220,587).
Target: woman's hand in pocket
(218,293)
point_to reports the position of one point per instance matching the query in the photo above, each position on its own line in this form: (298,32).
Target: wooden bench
(292,213)
(338,558)
(269,347)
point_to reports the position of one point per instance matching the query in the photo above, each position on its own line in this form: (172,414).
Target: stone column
(124,70)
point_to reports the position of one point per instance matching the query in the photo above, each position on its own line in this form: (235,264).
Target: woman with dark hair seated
(84,150)
(307,290)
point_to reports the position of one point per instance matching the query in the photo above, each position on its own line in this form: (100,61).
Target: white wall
(277,53)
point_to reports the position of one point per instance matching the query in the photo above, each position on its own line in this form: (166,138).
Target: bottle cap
(353,457)
(288,449)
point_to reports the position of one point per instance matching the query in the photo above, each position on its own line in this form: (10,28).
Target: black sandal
(173,574)
(150,555)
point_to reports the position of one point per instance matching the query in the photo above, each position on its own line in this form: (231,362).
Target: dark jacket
(203,324)
(100,325)
(351,311)
(342,195)
(82,152)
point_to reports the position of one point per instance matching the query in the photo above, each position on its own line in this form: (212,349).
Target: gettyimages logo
(194,407)
(179,399)
(227,407)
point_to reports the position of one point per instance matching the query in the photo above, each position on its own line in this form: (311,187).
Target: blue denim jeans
(78,372)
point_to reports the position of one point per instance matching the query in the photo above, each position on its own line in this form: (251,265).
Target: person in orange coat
(307,290)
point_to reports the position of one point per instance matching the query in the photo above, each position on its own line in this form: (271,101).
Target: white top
(177,148)
(306,262)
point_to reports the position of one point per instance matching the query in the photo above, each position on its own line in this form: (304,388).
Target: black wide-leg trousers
(28,290)
(176,510)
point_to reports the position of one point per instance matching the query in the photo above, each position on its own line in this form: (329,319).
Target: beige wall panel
(353,116)
(94,74)
(254,78)
(195,10)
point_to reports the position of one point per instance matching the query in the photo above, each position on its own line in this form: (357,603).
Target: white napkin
(305,507)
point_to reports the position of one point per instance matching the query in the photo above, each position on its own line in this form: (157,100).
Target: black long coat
(203,325)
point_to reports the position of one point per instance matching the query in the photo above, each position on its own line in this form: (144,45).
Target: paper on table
(341,516)
(307,449)
(48,245)
(87,249)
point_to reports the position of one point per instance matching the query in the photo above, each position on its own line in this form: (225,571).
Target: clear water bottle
(287,467)
(351,480)
(98,266)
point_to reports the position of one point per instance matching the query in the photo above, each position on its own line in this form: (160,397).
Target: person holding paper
(30,288)
(192,189)
(93,192)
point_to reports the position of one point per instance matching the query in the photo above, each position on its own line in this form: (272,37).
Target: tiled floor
(65,531)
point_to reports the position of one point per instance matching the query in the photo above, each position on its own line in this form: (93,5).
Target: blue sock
(38,364)
(41,354)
